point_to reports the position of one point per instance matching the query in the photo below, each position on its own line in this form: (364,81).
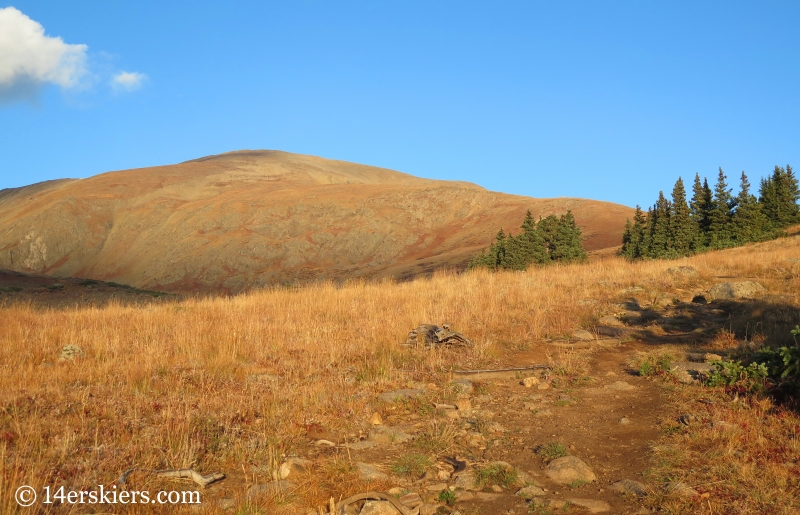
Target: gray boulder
(737,290)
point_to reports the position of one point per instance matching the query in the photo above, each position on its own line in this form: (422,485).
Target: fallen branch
(373,495)
(192,474)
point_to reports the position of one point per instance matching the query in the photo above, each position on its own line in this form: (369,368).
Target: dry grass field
(235,384)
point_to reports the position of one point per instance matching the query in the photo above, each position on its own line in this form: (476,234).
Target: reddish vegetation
(252,218)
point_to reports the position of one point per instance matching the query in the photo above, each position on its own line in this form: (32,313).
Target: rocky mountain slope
(246,219)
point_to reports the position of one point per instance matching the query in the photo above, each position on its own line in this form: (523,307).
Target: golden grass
(175,385)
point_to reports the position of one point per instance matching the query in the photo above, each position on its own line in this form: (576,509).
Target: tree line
(713,219)
(551,239)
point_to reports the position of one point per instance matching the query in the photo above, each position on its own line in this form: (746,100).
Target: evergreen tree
(568,242)
(748,222)
(548,227)
(633,235)
(659,223)
(698,210)
(531,243)
(720,214)
(681,226)
(778,197)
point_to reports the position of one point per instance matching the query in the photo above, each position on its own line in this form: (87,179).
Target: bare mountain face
(247,219)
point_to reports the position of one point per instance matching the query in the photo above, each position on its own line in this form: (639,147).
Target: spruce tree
(548,227)
(778,197)
(568,243)
(531,242)
(698,210)
(681,227)
(748,222)
(720,214)
(659,223)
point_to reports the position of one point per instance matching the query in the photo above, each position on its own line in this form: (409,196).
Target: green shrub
(657,365)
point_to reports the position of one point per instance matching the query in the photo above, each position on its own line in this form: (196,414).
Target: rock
(737,290)
(226,503)
(463,386)
(386,434)
(593,505)
(497,488)
(476,440)
(466,481)
(529,492)
(438,487)
(569,469)
(293,467)
(463,404)
(357,446)
(443,475)
(411,500)
(487,497)
(378,508)
(679,489)
(628,486)
(543,386)
(370,472)
(376,419)
(529,382)
(610,320)
(620,386)
(269,489)
(709,357)
(687,418)
(624,421)
(70,352)
(583,335)
(396,395)
(428,509)
(685,272)
(495,427)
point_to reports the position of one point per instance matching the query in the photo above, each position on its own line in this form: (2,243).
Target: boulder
(628,486)
(737,290)
(387,434)
(569,469)
(610,320)
(583,335)
(593,505)
(529,492)
(370,472)
(70,352)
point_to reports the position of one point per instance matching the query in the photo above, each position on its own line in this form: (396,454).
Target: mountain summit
(247,219)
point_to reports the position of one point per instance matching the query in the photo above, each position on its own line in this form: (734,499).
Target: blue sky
(605,100)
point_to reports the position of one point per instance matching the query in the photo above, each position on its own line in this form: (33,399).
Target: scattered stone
(396,395)
(497,488)
(387,434)
(324,443)
(679,489)
(543,386)
(610,320)
(529,492)
(358,446)
(487,497)
(70,352)
(709,357)
(629,486)
(583,335)
(569,469)
(411,500)
(463,404)
(376,419)
(620,386)
(269,488)
(292,467)
(624,421)
(556,503)
(462,386)
(464,495)
(431,335)
(428,509)
(370,472)
(466,481)
(396,491)
(737,290)
(685,272)
(610,374)
(438,487)
(687,419)
(226,503)
(476,440)
(593,505)
(443,475)
(530,382)
(495,427)
(378,508)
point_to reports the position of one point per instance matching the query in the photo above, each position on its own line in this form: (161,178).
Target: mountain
(246,219)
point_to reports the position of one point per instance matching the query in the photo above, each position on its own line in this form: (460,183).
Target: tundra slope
(246,219)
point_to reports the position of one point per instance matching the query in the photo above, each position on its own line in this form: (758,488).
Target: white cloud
(29,59)
(128,81)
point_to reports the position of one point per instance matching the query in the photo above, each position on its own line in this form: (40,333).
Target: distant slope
(246,219)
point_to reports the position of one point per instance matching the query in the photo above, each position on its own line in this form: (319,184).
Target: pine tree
(532,245)
(681,227)
(722,204)
(568,242)
(748,222)
(632,236)
(698,210)
(778,197)
(548,227)
(659,223)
